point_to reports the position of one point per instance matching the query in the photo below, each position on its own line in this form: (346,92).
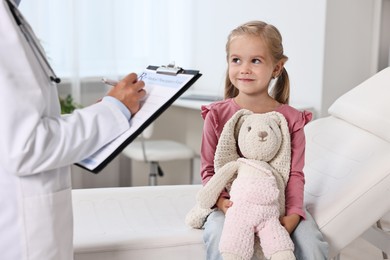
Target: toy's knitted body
(256,209)
(256,184)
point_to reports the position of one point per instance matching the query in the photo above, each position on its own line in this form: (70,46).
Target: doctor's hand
(129,91)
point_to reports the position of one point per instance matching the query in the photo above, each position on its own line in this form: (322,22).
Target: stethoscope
(31,40)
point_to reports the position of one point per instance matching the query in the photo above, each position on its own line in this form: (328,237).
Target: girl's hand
(223,204)
(290,222)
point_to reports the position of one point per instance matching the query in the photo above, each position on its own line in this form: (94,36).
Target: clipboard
(163,85)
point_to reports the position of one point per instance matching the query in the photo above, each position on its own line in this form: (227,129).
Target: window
(91,38)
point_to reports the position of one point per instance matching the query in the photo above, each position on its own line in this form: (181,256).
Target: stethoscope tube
(31,40)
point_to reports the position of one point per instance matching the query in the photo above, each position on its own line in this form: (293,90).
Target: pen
(109,81)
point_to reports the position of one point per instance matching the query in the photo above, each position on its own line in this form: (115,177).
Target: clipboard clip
(169,69)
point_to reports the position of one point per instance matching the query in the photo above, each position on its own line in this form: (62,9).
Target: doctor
(38,145)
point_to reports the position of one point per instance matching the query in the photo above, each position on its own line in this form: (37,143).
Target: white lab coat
(37,147)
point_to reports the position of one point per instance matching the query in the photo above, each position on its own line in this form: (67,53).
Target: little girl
(257,80)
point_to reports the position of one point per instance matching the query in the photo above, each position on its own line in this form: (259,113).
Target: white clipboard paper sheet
(163,87)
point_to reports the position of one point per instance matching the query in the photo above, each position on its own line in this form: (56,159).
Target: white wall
(351,46)
(331,44)
(301,23)
(384,44)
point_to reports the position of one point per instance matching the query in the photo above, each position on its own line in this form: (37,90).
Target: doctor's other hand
(130,91)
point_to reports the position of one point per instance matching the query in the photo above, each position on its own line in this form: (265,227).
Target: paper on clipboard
(162,90)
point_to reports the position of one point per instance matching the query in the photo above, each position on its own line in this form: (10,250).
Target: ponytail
(230,90)
(281,91)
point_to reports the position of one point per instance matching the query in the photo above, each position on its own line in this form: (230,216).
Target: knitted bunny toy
(256,182)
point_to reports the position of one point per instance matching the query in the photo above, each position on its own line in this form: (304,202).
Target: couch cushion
(367,105)
(347,174)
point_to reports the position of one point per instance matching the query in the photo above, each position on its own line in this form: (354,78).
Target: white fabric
(135,223)
(368,105)
(347,173)
(36,148)
(347,166)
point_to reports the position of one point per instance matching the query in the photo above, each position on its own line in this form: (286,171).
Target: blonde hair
(273,40)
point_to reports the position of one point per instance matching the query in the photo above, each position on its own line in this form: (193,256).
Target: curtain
(110,38)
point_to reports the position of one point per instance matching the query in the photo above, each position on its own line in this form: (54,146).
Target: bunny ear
(227,144)
(282,161)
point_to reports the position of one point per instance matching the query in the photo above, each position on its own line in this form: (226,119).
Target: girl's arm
(210,136)
(295,185)
(208,147)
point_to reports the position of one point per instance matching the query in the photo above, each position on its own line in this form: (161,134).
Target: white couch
(347,189)
(347,164)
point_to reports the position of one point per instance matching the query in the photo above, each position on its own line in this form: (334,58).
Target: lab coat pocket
(49,226)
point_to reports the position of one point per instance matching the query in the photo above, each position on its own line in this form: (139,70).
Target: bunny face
(260,137)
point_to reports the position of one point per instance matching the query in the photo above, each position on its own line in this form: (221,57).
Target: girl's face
(250,65)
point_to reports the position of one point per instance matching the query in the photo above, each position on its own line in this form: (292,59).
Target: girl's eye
(256,61)
(236,60)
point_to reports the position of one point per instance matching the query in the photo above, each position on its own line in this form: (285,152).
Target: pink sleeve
(295,185)
(208,146)
(210,136)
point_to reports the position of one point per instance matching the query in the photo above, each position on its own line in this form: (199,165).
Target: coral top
(218,113)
